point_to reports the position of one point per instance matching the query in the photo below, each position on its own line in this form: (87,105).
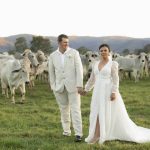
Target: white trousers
(70,102)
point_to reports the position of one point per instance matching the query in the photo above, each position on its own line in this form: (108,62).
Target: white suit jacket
(70,75)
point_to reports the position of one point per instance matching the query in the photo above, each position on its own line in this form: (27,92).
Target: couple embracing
(109,119)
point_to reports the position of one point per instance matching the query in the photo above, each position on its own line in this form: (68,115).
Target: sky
(75,17)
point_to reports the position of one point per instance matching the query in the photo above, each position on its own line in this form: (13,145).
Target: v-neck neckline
(102,67)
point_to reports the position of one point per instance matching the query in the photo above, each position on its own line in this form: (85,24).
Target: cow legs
(31,83)
(12,94)
(22,90)
(6,92)
(4,89)
(135,74)
(138,76)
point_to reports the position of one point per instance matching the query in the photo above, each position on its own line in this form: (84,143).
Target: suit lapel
(67,58)
(58,58)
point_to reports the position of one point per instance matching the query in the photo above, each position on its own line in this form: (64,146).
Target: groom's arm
(79,70)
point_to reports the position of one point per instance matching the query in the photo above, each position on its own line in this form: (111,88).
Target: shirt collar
(68,49)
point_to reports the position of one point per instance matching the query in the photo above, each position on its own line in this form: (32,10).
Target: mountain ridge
(117,43)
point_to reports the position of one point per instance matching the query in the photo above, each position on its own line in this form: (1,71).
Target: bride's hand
(113,96)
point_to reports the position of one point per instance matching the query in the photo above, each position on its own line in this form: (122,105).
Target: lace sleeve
(115,77)
(90,83)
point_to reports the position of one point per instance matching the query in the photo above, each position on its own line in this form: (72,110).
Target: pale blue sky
(75,17)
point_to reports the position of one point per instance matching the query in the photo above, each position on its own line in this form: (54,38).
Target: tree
(125,52)
(83,50)
(138,51)
(21,44)
(41,43)
(146,48)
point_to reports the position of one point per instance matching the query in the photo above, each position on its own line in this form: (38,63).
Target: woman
(108,116)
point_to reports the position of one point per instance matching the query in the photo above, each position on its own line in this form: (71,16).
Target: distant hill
(117,43)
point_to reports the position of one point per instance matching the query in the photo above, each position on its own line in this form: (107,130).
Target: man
(66,81)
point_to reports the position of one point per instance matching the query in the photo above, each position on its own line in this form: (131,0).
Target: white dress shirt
(62,56)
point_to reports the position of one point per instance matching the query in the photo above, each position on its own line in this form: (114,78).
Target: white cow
(3,59)
(134,65)
(115,55)
(148,63)
(85,65)
(92,57)
(40,56)
(30,63)
(42,71)
(30,58)
(14,76)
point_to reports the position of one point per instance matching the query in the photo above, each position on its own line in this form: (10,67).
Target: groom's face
(64,44)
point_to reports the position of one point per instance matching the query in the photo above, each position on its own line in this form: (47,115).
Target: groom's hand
(80,90)
(84,92)
(113,96)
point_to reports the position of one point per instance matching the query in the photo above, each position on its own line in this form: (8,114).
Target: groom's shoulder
(74,51)
(53,53)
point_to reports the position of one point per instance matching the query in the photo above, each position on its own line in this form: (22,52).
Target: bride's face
(104,52)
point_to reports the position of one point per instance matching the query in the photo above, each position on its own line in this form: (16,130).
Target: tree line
(37,43)
(145,49)
(44,44)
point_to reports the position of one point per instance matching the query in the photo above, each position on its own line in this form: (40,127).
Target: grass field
(36,125)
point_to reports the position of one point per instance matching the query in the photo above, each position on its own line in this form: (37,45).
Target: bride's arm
(115,77)
(90,83)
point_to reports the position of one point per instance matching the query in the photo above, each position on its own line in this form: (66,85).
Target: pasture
(35,125)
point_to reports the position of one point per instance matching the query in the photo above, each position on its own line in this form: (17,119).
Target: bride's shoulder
(114,63)
(95,63)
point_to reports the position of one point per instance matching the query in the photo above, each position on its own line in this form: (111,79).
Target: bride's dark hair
(104,45)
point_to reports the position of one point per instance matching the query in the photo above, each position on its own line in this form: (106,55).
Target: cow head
(40,56)
(25,75)
(31,56)
(148,59)
(33,59)
(142,58)
(115,55)
(92,56)
(19,72)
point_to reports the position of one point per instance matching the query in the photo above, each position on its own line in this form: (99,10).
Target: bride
(109,119)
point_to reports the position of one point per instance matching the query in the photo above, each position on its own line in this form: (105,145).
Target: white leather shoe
(66,134)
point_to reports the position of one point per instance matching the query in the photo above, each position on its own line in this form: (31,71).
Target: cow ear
(146,58)
(139,57)
(23,54)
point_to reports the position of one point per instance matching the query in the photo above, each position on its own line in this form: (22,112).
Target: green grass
(36,125)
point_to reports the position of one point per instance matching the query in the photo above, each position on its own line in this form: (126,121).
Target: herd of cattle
(16,71)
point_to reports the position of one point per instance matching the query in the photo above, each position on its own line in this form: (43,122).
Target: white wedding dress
(114,121)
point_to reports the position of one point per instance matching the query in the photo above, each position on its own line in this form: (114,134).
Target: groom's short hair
(59,39)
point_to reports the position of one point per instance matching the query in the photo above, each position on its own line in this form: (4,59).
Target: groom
(66,81)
